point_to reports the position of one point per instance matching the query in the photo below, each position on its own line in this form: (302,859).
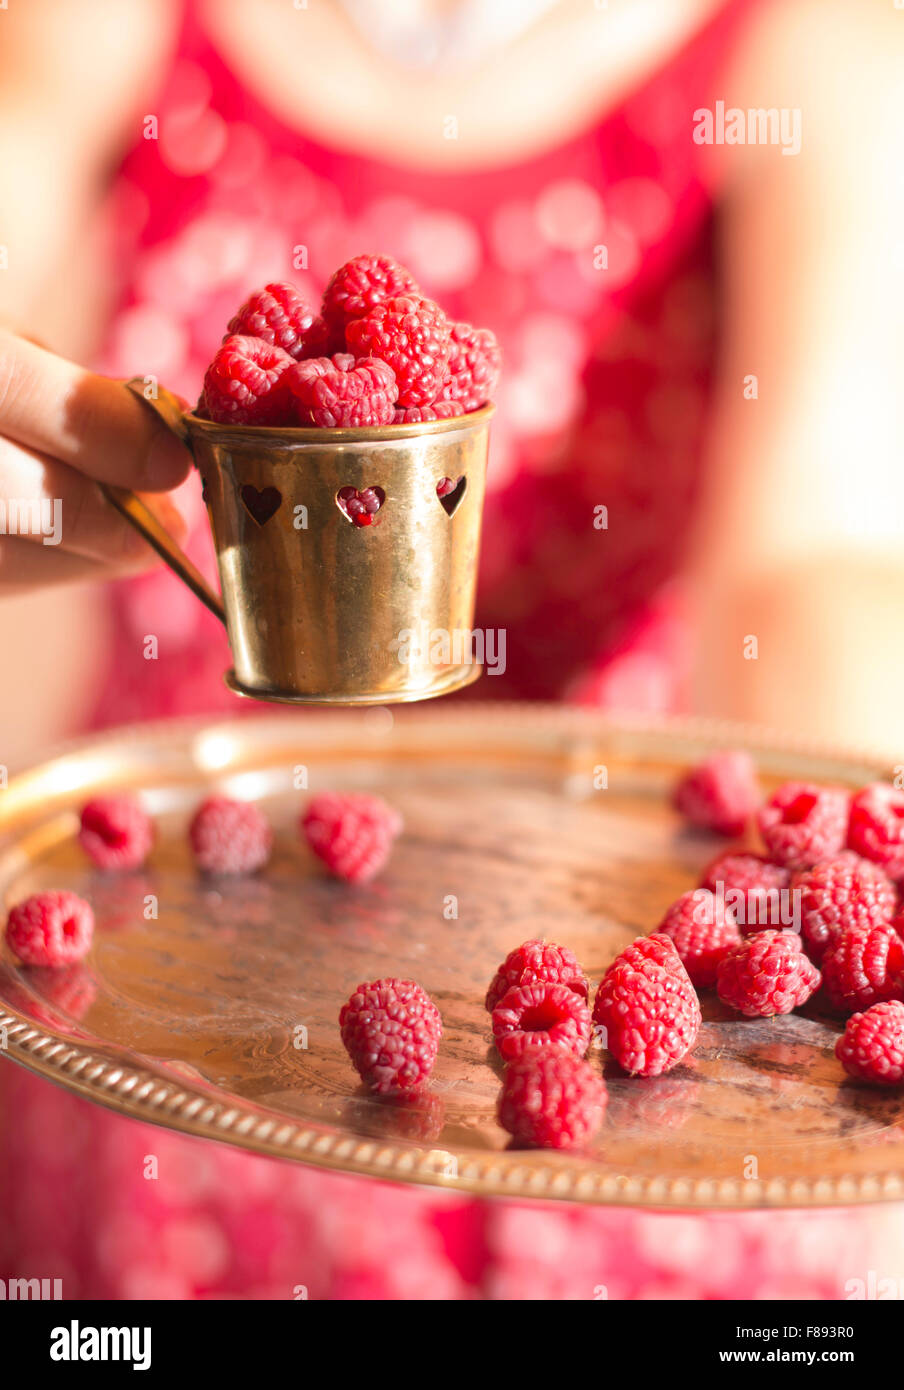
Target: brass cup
(320,610)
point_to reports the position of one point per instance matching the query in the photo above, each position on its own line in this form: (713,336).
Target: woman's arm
(801,542)
(75,79)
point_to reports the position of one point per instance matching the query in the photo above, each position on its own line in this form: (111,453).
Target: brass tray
(219,1018)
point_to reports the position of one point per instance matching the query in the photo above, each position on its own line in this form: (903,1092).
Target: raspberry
(648,1007)
(767,974)
(230,837)
(391,1030)
(116,833)
(845,891)
(278,315)
(50,929)
(537,963)
(340,392)
(422,414)
(528,1017)
(801,823)
(720,794)
(864,966)
(551,1100)
(360,285)
(751,886)
(351,832)
(475,362)
(872,1044)
(411,334)
(361,507)
(744,872)
(245,385)
(703,931)
(877,827)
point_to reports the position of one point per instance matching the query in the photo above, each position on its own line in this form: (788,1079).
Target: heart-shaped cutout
(261,504)
(450,493)
(360,508)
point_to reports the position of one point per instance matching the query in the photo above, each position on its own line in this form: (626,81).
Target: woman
(542,168)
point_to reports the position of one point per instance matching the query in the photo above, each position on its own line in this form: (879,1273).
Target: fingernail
(167,461)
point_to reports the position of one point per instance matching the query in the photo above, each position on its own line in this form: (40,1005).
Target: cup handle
(130,506)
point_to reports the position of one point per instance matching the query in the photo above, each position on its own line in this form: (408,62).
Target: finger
(24,565)
(90,422)
(50,503)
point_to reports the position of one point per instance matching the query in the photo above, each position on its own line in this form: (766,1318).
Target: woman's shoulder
(829,69)
(799,45)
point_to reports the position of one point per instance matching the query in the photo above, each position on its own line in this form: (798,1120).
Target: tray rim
(139,1088)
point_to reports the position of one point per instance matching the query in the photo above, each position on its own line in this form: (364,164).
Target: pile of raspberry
(819,909)
(378,352)
(646,1013)
(831,860)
